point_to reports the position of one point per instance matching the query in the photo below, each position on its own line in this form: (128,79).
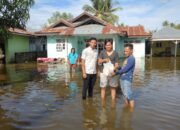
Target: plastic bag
(108,68)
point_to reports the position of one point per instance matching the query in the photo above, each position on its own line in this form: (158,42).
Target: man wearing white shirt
(89,68)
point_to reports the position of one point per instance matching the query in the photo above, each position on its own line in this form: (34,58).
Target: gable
(88,22)
(61,23)
(80,18)
(86,18)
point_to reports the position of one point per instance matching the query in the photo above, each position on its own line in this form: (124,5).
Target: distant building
(165,42)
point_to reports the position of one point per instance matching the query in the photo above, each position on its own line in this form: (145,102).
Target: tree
(13,14)
(104,9)
(165,23)
(57,16)
(173,25)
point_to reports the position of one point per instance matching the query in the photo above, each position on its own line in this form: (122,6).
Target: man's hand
(84,75)
(106,60)
(112,74)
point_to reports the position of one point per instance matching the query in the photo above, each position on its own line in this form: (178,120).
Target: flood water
(48,97)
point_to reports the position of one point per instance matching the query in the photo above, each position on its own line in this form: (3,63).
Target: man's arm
(129,65)
(101,60)
(83,68)
(83,65)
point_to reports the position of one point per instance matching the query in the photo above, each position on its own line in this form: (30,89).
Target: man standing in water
(126,73)
(89,68)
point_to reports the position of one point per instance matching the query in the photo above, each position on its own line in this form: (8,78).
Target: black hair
(92,38)
(74,50)
(108,40)
(129,45)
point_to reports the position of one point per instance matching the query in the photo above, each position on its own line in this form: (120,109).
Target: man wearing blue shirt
(126,72)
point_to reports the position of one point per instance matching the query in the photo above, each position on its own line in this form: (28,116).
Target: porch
(165,42)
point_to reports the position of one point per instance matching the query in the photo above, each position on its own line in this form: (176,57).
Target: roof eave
(21,34)
(165,39)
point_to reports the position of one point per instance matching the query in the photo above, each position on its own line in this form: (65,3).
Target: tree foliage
(13,14)
(173,25)
(104,9)
(56,16)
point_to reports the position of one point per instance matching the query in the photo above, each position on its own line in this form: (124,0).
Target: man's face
(108,46)
(93,44)
(127,51)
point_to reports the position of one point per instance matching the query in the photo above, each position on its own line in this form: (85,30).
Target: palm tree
(104,10)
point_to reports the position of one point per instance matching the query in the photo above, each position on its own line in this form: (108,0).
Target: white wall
(70,42)
(139,49)
(51,48)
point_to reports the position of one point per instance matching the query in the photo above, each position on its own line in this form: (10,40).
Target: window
(158,44)
(60,45)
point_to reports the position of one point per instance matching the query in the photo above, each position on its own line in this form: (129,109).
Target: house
(22,46)
(64,35)
(18,41)
(165,42)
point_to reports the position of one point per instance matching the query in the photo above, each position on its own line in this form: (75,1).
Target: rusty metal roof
(20,32)
(134,31)
(86,24)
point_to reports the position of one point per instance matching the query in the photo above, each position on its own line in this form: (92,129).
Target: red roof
(60,31)
(134,31)
(20,31)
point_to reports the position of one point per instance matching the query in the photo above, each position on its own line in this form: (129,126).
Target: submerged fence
(22,57)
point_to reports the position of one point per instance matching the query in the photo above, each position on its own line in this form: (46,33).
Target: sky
(149,13)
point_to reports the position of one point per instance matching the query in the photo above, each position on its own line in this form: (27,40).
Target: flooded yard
(48,97)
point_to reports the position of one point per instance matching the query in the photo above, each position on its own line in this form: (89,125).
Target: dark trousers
(88,85)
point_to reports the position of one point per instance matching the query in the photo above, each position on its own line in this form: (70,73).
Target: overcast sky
(149,13)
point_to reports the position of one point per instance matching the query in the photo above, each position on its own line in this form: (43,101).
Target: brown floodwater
(48,97)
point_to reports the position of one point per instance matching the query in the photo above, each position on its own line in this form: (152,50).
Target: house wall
(78,42)
(163,50)
(52,51)
(120,46)
(138,48)
(16,43)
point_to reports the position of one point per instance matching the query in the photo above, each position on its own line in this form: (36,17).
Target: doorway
(2,52)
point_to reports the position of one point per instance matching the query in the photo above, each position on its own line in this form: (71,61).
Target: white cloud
(146,13)
(43,11)
(151,16)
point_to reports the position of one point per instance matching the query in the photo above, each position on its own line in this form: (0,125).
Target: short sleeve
(83,56)
(101,55)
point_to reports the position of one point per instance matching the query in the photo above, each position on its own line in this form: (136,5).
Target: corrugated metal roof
(166,33)
(20,31)
(88,29)
(86,24)
(134,31)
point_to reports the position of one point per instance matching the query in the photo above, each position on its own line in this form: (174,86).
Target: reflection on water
(43,97)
